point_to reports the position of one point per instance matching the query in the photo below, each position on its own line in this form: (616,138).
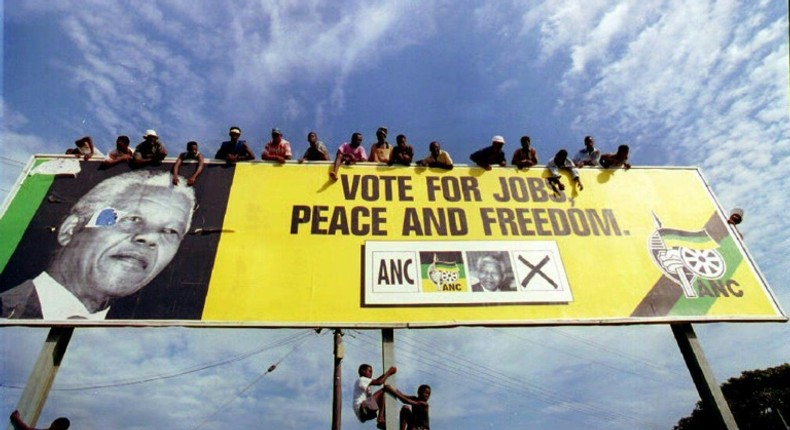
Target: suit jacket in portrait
(21,302)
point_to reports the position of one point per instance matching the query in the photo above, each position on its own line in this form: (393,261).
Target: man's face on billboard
(134,237)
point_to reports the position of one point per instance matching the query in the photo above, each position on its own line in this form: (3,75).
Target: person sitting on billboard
(116,239)
(589,155)
(120,154)
(561,161)
(277,149)
(617,159)
(437,157)
(84,148)
(349,153)
(149,151)
(316,151)
(61,423)
(491,155)
(526,156)
(191,154)
(367,404)
(234,150)
(381,150)
(402,153)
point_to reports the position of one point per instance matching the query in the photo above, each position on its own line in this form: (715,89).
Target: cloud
(686,86)
(16,146)
(191,68)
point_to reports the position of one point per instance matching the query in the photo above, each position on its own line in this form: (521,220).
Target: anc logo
(685,256)
(444,270)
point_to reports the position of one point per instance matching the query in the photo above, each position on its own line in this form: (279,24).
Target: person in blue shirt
(234,150)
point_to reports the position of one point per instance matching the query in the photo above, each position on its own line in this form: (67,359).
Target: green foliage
(756,399)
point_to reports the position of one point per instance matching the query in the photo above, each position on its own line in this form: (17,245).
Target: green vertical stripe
(20,212)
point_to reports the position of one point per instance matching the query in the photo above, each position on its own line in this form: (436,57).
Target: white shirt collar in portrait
(57,303)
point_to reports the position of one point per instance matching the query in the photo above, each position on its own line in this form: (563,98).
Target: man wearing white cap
(491,155)
(149,151)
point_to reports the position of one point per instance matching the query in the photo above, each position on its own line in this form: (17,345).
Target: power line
(11,162)
(193,369)
(493,377)
(549,395)
(617,352)
(588,360)
(270,369)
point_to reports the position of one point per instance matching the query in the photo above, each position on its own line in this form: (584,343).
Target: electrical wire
(270,369)
(127,382)
(587,359)
(617,352)
(11,162)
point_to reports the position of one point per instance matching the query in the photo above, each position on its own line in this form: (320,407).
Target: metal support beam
(701,373)
(388,360)
(337,392)
(43,374)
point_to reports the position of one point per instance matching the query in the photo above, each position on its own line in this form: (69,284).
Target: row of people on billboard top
(153,150)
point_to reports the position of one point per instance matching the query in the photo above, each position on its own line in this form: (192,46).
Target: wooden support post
(701,373)
(388,360)
(43,374)
(337,392)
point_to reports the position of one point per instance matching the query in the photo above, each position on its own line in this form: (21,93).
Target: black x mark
(535,270)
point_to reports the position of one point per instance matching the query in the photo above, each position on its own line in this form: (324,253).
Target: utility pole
(707,387)
(388,358)
(43,374)
(337,394)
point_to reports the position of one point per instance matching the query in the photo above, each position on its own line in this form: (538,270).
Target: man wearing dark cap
(277,149)
(234,150)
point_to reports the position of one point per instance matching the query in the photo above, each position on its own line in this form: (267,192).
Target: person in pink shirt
(349,153)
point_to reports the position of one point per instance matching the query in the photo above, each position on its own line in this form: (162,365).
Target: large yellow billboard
(286,245)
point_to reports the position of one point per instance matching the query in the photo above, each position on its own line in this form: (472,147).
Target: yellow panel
(296,254)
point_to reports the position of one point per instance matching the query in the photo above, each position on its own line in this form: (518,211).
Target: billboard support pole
(43,374)
(702,374)
(337,389)
(388,360)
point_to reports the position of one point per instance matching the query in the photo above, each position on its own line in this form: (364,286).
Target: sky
(701,83)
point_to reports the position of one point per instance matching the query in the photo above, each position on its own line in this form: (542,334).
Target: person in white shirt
(367,404)
(589,155)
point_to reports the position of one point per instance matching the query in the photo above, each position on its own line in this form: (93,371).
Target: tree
(758,399)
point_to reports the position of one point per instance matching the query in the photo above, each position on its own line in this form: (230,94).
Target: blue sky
(699,83)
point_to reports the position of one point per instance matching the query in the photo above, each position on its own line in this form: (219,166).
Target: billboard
(260,244)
